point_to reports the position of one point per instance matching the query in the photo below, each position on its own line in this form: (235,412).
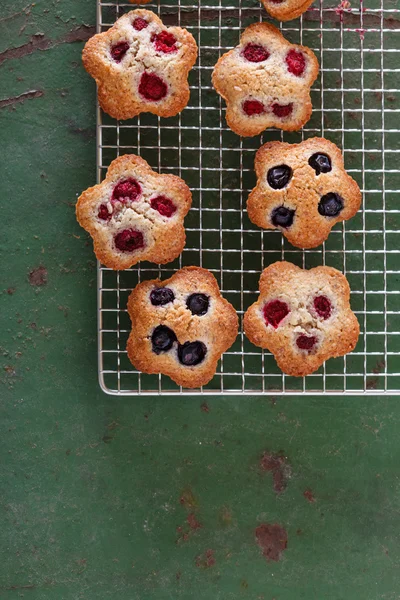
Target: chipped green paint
(92,486)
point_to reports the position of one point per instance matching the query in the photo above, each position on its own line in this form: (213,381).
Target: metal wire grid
(357,105)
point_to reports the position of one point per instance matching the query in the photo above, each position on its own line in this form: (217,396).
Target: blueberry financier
(181,326)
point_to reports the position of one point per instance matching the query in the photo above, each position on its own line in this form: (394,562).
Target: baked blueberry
(162,339)
(330,205)
(321,163)
(198,304)
(191,353)
(282,216)
(161,296)
(278,177)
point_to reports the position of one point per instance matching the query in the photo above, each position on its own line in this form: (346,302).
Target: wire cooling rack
(356,103)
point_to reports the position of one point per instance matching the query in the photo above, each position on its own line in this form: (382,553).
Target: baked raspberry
(323,306)
(139,24)
(129,240)
(119,50)
(306,342)
(296,62)
(161,296)
(103,213)
(198,304)
(255,53)
(128,189)
(164,42)
(152,87)
(191,353)
(282,110)
(253,107)
(274,312)
(163,205)
(162,339)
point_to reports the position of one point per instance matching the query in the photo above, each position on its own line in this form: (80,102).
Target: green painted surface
(96,491)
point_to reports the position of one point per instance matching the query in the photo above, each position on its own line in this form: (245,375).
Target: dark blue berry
(161,296)
(162,339)
(279,177)
(330,205)
(282,216)
(321,163)
(198,304)
(191,353)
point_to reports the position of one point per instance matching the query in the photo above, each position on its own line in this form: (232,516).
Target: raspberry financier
(135,214)
(302,317)
(181,326)
(265,81)
(303,190)
(141,66)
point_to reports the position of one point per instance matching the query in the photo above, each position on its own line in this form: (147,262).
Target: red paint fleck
(308,495)
(342,6)
(272,540)
(205,408)
(277,465)
(38,276)
(205,560)
(361,33)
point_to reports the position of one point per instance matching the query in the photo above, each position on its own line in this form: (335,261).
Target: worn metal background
(356,105)
(98,493)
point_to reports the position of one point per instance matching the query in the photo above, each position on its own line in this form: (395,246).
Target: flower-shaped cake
(285,10)
(141,66)
(303,190)
(135,214)
(265,81)
(302,317)
(181,326)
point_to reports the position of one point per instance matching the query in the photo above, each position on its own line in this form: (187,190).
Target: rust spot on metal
(272,540)
(278,466)
(372,382)
(205,560)
(188,499)
(38,276)
(308,495)
(193,522)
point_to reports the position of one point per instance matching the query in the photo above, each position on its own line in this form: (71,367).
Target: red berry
(163,205)
(129,240)
(282,110)
(274,312)
(152,87)
(323,306)
(253,107)
(305,342)
(128,188)
(119,50)
(255,53)
(164,42)
(139,24)
(103,213)
(296,62)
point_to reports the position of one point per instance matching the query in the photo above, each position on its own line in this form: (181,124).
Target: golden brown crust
(118,82)
(286,10)
(303,192)
(336,335)
(217,329)
(164,237)
(237,80)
